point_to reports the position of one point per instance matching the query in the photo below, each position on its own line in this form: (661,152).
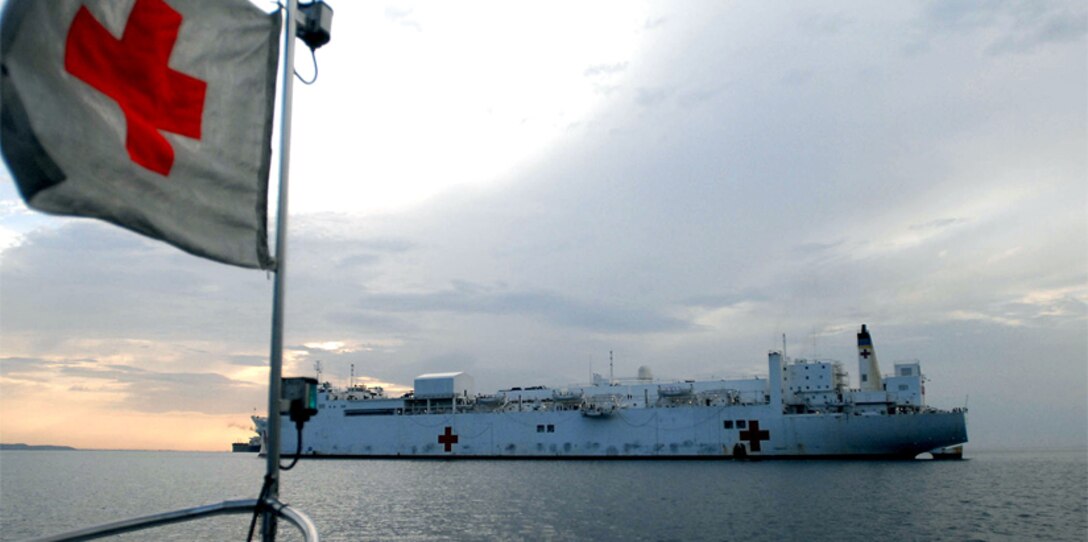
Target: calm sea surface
(991,496)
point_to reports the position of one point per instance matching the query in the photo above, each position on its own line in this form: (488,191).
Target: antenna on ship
(351,379)
(784,352)
(317,367)
(611,377)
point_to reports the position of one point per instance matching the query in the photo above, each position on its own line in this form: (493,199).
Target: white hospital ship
(804,409)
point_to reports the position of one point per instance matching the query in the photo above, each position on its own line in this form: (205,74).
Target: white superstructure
(804,409)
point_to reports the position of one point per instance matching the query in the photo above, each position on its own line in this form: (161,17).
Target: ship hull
(683,432)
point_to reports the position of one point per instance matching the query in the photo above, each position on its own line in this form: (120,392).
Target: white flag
(154,115)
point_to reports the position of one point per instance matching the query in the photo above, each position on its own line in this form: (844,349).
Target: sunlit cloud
(329,346)
(1004,255)
(1065,302)
(972,315)
(477,110)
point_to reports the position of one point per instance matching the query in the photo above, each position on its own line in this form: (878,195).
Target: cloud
(605,69)
(84,266)
(937,224)
(469,298)
(153,391)
(817,248)
(327,346)
(718,301)
(655,23)
(10,366)
(651,96)
(989,318)
(403,17)
(1009,27)
(1053,28)
(797,77)
(139,389)
(364,253)
(696,97)
(358,260)
(826,24)
(248,360)
(362,317)
(1050,306)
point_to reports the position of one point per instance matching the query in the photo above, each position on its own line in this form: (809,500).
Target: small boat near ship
(948,452)
(804,409)
(253,445)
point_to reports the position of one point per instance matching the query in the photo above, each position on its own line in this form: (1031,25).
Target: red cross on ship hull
(754,435)
(448,439)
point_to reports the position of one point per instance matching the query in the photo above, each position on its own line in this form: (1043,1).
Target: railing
(248,506)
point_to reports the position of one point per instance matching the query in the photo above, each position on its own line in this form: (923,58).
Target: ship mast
(611,374)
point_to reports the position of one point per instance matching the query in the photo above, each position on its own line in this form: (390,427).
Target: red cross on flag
(155,115)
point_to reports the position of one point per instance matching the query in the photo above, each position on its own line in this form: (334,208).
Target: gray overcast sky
(515,190)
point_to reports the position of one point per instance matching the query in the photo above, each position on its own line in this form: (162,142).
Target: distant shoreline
(20,447)
(36,447)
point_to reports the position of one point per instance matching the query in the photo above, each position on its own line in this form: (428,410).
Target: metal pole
(275,369)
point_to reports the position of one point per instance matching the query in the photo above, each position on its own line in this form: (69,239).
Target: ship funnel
(776,380)
(867,365)
(644,373)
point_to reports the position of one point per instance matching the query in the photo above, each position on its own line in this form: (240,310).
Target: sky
(517,189)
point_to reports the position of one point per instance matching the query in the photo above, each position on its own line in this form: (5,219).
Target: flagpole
(275,371)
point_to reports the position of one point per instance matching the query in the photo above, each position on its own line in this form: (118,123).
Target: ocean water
(990,496)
